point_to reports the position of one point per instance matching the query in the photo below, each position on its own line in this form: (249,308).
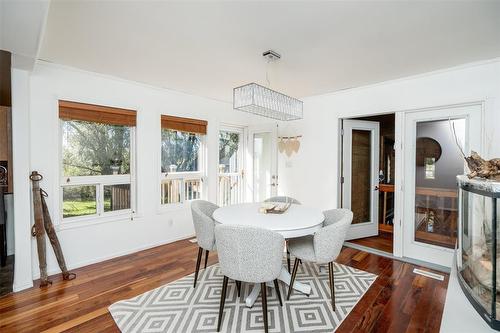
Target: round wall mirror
(427,148)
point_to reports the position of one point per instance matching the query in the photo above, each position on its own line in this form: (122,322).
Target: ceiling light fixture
(262,101)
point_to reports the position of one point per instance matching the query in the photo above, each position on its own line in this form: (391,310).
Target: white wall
(89,244)
(311,175)
(20,172)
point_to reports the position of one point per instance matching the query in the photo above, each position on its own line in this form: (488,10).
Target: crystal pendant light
(262,101)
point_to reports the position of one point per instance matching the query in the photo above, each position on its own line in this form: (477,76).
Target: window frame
(183,176)
(99,182)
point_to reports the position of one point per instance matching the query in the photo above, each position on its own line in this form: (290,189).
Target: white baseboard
(19,287)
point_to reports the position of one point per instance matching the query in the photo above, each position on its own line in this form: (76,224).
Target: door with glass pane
(263,165)
(432,160)
(231,166)
(360,161)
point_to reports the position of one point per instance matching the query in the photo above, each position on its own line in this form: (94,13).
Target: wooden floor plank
(398,301)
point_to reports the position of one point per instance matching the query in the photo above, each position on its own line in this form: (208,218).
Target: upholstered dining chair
(283,199)
(290,200)
(323,247)
(249,254)
(204,226)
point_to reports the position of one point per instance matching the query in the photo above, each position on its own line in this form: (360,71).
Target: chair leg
(263,289)
(277,287)
(222,301)
(206,258)
(288,258)
(332,285)
(238,287)
(294,273)
(198,261)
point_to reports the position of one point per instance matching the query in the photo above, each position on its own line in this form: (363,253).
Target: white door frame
(368,228)
(406,192)
(242,130)
(264,128)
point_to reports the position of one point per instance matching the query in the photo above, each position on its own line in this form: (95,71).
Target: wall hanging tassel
(43,224)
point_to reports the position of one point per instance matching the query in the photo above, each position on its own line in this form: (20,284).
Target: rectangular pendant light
(262,101)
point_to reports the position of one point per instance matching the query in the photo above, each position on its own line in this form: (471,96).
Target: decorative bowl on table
(274,207)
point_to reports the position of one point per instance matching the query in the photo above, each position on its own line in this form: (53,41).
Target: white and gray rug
(178,307)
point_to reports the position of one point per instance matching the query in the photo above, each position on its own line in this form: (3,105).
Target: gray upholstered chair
(323,247)
(290,200)
(283,199)
(249,254)
(204,226)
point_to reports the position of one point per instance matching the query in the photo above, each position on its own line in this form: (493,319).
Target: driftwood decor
(478,167)
(43,224)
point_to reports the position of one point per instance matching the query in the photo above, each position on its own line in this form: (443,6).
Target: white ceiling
(207,48)
(21,26)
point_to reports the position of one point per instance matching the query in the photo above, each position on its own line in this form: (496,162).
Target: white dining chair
(204,225)
(292,201)
(323,247)
(249,254)
(283,199)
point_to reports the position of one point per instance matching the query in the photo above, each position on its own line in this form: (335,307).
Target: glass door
(360,162)
(432,159)
(263,149)
(231,166)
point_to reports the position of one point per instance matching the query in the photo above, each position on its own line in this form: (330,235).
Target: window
(182,167)
(230,166)
(430,168)
(97,160)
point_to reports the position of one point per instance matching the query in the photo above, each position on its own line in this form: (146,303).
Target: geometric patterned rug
(178,307)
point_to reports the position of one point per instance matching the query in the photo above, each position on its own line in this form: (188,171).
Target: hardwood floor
(382,242)
(398,301)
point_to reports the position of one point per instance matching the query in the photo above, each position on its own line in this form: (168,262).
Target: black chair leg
(294,273)
(332,285)
(277,287)
(263,289)
(198,261)
(206,258)
(238,287)
(288,258)
(222,301)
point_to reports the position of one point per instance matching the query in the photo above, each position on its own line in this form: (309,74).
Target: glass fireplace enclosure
(478,263)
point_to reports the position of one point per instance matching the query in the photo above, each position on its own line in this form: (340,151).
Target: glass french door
(360,163)
(263,163)
(432,146)
(231,166)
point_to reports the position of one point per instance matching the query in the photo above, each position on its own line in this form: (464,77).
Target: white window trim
(99,182)
(183,176)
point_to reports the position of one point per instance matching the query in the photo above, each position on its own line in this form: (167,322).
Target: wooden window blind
(96,113)
(184,124)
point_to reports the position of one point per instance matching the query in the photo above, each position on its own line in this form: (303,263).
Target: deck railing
(180,187)
(230,189)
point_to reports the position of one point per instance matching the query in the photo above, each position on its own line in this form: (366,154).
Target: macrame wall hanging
(289,144)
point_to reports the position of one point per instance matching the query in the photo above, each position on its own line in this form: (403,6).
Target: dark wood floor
(382,242)
(398,301)
(7,276)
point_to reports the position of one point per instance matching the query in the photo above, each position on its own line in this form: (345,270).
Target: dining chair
(290,200)
(204,225)
(323,247)
(283,199)
(249,254)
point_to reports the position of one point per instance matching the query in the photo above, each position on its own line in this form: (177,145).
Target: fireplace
(478,259)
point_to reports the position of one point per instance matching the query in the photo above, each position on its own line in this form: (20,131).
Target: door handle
(376,188)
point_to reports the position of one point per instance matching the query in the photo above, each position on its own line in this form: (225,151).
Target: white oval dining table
(297,221)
